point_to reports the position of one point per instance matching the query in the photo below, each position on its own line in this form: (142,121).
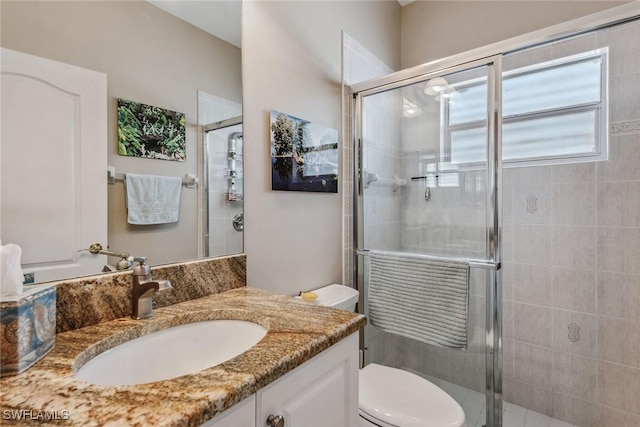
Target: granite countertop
(297,331)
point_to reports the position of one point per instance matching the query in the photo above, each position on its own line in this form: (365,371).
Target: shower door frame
(493,348)
(589,23)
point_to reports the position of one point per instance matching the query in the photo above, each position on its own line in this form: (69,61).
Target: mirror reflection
(182,56)
(225,187)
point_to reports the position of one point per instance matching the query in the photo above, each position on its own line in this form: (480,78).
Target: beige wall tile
(573,203)
(477,314)
(533,175)
(619,387)
(532,244)
(574,290)
(507,319)
(507,196)
(508,233)
(507,280)
(508,349)
(531,204)
(624,92)
(478,282)
(609,417)
(619,295)
(532,284)
(574,247)
(618,249)
(622,40)
(532,324)
(574,375)
(619,203)
(624,157)
(574,172)
(528,396)
(619,341)
(576,411)
(564,331)
(532,364)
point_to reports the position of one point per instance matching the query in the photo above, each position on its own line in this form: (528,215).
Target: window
(553,112)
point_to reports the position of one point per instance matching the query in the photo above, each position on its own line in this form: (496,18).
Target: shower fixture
(439,88)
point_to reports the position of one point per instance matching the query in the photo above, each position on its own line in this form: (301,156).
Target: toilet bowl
(391,397)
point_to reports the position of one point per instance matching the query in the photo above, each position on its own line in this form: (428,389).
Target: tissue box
(28,328)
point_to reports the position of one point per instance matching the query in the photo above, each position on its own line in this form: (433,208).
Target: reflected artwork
(150,132)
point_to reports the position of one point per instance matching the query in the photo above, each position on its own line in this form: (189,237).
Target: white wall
(291,63)
(436,29)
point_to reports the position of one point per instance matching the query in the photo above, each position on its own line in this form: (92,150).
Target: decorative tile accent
(532,203)
(625,127)
(574,332)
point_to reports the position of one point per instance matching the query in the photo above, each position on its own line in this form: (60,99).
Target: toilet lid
(402,399)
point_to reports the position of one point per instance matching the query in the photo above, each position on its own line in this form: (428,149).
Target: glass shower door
(428,163)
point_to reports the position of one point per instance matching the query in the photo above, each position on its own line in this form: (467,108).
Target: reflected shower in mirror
(224,175)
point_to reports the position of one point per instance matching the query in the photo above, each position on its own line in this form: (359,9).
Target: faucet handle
(142,269)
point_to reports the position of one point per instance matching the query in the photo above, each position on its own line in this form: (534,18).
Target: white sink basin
(171,353)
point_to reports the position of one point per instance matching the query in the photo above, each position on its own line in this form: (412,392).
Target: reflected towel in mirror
(152,199)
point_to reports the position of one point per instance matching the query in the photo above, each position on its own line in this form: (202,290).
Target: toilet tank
(337,296)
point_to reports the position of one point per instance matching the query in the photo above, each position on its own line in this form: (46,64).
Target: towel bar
(474,263)
(190,180)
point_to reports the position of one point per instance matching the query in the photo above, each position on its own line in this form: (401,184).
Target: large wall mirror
(183,56)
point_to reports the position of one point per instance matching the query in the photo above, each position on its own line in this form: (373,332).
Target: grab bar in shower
(473,263)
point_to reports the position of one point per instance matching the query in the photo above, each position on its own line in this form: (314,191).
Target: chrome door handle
(275,421)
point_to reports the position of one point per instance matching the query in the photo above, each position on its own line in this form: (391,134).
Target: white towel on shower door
(152,199)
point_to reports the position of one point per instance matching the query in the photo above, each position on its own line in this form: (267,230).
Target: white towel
(420,297)
(152,199)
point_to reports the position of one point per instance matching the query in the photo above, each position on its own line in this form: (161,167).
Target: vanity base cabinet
(322,392)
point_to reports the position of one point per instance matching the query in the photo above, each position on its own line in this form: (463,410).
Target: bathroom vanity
(305,370)
(322,391)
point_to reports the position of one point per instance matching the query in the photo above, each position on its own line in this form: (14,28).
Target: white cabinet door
(323,392)
(242,414)
(53,164)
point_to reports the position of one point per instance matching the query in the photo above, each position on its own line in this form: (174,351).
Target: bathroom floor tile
(558,423)
(513,419)
(534,419)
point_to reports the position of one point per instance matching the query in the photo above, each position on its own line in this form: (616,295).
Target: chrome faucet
(144,288)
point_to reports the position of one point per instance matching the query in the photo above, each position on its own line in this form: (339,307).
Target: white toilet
(391,397)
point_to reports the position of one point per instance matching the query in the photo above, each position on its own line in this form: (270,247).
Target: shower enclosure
(440,207)
(552,239)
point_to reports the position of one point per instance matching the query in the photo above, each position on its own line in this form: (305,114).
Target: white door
(53,164)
